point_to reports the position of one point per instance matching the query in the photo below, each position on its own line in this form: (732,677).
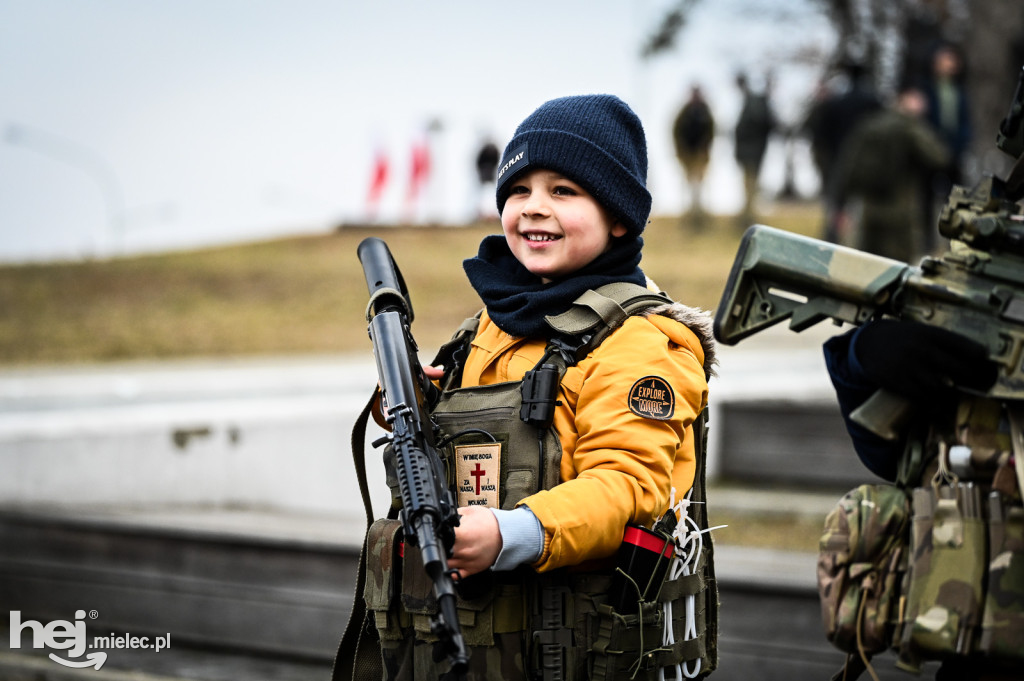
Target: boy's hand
(380,413)
(477,541)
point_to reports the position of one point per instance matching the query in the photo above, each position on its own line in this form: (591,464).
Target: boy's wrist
(522,537)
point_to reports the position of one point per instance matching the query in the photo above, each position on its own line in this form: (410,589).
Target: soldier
(543,514)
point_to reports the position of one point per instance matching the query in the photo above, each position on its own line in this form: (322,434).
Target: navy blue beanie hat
(594,140)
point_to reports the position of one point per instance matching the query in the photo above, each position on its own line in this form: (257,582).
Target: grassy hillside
(297,295)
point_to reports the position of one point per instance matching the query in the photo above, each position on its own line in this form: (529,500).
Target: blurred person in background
(486,168)
(949,114)
(693,132)
(879,175)
(842,103)
(753,128)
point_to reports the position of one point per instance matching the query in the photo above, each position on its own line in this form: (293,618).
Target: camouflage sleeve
(853,389)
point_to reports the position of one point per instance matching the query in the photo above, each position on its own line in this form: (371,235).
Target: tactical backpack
(577,632)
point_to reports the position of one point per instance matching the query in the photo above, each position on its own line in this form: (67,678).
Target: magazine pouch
(948,564)
(1002,624)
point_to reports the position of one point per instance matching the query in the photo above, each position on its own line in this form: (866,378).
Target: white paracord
(688,547)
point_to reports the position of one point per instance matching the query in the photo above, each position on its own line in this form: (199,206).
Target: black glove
(921,362)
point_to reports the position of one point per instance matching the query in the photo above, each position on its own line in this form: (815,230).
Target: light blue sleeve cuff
(522,537)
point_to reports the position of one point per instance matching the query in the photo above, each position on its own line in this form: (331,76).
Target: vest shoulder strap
(600,311)
(589,319)
(452,355)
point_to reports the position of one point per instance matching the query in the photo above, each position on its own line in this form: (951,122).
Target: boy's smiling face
(553,226)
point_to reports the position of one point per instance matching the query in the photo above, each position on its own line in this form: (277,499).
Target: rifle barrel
(383,278)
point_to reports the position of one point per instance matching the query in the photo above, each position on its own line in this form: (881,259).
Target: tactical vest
(559,625)
(933,567)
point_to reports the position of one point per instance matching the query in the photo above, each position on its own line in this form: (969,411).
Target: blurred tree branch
(664,36)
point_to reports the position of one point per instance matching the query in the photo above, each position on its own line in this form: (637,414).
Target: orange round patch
(652,398)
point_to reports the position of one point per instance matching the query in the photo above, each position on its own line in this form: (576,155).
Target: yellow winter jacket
(624,419)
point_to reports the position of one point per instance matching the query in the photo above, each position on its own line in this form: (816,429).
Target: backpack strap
(580,329)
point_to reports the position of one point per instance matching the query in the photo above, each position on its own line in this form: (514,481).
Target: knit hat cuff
(583,162)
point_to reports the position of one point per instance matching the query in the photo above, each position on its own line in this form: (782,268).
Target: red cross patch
(478,470)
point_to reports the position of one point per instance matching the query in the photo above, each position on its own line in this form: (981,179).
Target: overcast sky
(143,124)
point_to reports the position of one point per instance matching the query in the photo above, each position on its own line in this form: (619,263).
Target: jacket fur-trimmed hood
(700,322)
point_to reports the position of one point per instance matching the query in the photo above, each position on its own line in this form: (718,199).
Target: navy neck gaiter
(518,301)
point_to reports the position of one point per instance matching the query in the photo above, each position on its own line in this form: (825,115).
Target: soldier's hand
(477,541)
(921,362)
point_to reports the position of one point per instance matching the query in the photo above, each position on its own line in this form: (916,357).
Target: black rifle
(429,514)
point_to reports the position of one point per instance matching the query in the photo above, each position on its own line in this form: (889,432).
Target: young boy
(573,202)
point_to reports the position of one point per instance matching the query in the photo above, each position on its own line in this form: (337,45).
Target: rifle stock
(778,275)
(429,514)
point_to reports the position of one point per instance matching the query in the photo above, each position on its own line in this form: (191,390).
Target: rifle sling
(358,655)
